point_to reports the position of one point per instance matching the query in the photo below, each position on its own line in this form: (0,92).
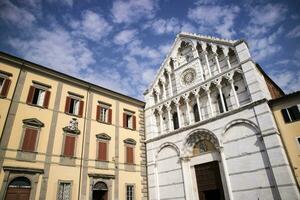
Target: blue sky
(120,44)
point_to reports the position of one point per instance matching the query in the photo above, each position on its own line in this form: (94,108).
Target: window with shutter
(104,113)
(69,146)
(129,155)
(38,96)
(291,114)
(29,140)
(102,151)
(74,106)
(129,121)
(4,86)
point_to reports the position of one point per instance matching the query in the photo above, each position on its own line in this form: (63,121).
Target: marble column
(226,173)
(197,96)
(214,50)
(170,118)
(219,86)
(187,100)
(161,121)
(207,62)
(226,51)
(163,82)
(209,101)
(237,103)
(170,83)
(178,113)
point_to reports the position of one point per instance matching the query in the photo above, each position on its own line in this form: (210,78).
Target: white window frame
(1,86)
(76,102)
(298,142)
(41,96)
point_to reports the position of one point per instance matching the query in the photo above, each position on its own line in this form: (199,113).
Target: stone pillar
(187,177)
(186,99)
(178,113)
(226,51)
(161,122)
(226,174)
(163,83)
(170,83)
(209,101)
(169,118)
(157,93)
(234,93)
(207,63)
(214,49)
(219,86)
(197,96)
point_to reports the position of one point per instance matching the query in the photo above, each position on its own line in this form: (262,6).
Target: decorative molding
(41,84)
(103,136)
(33,122)
(130,141)
(75,94)
(23,169)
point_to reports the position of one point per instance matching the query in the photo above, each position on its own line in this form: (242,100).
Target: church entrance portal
(209,181)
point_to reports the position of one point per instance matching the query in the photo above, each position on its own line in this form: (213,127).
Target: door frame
(206,158)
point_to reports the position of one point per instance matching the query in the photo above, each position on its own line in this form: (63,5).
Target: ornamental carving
(188,76)
(72,127)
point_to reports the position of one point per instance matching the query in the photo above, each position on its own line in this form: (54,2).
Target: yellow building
(64,138)
(286,111)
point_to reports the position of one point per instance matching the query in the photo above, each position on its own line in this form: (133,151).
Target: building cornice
(67,78)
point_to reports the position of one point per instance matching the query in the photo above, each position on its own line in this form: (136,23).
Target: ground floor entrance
(100,191)
(209,181)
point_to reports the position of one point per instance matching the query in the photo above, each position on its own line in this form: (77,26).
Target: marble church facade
(210,133)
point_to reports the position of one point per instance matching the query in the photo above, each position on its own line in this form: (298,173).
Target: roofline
(266,76)
(72,79)
(273,102)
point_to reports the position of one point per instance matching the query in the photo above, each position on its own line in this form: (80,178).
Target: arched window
(220,104)
(20,182)
(19,188)
(175,121)
(196,113)
(100,186)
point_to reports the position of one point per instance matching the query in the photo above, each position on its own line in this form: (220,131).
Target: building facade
(210,133)
(286,111)
(63,138)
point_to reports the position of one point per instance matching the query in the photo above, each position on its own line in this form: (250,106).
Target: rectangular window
(69,147)
(64,191)
(1,82)
(29,140)
(38,96)
(298,140)
(129,192)
(74,106)
(104,113)
(129,155)
(291,114)
(102,151)
(129,121)
(4,83)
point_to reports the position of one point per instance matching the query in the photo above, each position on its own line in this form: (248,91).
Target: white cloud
(162,26)
(55,48)
(283,79)
(92,26)
(132,10)
(124,37)
(263,47)
(294,33)
(13,14)
(64,2)
(219,19)
(268,15)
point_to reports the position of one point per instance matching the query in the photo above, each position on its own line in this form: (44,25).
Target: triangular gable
(193,38)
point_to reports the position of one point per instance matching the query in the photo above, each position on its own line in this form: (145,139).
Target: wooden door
(209,181)
(17,193)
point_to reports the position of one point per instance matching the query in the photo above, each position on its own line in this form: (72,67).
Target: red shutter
(46,100)
(124,120)
(69,146)
(98,113)
(80,108)
(67,106)
(30,95)
(102,151)
(5,87)
(29,139)
(109,116)
(129,155)
(133,122)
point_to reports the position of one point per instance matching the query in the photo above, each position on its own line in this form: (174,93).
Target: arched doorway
(100,191)
(18,189)
(205,165)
